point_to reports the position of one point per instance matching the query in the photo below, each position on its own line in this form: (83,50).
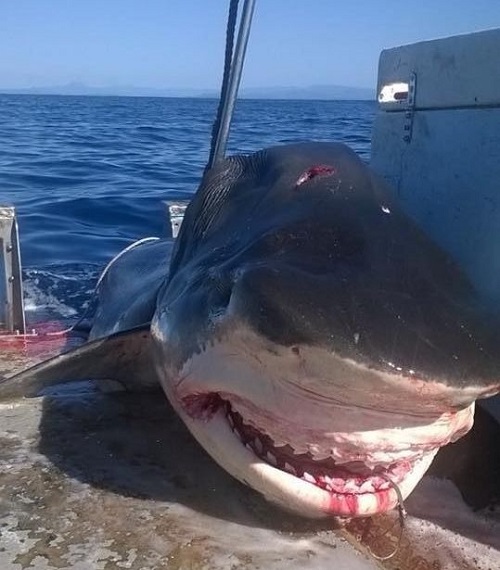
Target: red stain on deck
(46,339)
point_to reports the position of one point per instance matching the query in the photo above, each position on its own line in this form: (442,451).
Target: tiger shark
(315,342)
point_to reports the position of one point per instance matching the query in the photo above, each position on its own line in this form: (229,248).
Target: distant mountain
(76,88)
(311,92)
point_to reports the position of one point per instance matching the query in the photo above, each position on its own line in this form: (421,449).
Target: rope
(228,60)
(232,79)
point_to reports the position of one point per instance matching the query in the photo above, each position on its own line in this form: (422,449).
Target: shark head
(314,341)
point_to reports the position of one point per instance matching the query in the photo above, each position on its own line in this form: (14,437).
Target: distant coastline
(313,92)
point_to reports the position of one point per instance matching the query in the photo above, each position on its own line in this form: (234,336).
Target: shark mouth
(348,482)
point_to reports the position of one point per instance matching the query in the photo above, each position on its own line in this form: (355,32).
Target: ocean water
(87,174)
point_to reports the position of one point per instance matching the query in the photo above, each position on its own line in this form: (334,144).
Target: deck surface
(93,481)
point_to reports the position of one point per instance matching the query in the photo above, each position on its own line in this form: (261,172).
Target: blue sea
(88,174)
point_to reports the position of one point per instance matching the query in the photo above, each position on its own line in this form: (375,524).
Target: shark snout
(286,305)
(349,347)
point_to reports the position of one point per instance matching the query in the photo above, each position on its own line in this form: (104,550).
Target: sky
(180,43)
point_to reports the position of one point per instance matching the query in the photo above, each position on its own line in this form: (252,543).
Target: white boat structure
(437,141)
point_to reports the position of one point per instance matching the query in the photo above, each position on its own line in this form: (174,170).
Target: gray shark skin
(317,345)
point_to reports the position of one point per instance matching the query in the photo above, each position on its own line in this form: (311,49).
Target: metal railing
(11,287)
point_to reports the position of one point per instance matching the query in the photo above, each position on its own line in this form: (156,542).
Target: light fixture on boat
(394,93)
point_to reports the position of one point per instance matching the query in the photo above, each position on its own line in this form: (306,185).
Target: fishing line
(402,515)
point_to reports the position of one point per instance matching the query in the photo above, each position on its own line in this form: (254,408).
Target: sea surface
(88,174)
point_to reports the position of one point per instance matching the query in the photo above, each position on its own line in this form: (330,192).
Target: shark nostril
(221,287)
(225,292)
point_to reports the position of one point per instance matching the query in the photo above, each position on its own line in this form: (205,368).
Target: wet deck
(96,481)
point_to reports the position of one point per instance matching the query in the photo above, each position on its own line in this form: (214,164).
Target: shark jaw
(302,449)
(297,484)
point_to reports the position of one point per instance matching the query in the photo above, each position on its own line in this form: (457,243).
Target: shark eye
(313,172)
